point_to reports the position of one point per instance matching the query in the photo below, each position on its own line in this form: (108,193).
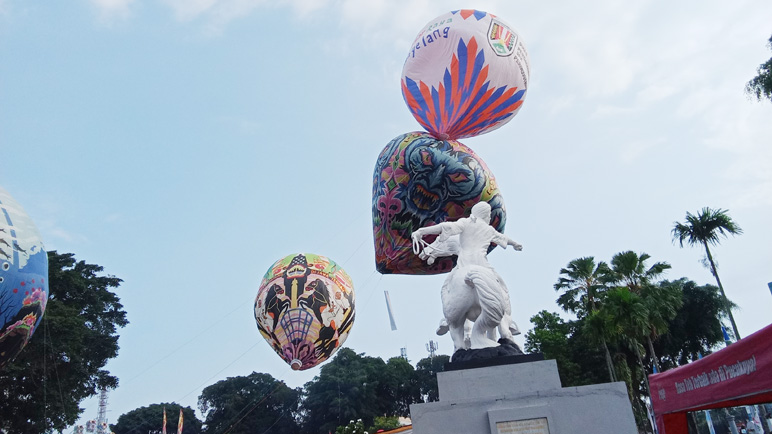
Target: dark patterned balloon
(421,181)
(305,308)
(23,278)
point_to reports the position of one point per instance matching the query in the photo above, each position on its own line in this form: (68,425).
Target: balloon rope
(417,243)
(219,372)
(56,368)
(253,407)
(194,338)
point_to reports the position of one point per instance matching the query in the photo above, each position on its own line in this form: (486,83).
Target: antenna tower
(101,422)
(431,347)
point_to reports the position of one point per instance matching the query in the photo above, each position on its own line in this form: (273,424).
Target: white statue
(473,291)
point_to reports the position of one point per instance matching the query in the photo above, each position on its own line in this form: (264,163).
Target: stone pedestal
(525,398)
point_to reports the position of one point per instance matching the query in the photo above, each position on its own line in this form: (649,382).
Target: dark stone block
(506,353)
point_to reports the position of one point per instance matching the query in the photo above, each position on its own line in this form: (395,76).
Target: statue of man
(475,236)
(489,308)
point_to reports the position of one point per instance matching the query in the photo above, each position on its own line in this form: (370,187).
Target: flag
(388,307)
(164,428)
(179,424)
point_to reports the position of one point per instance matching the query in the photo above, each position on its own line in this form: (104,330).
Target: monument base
(522,398)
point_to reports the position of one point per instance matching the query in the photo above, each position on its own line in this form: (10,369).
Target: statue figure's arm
(504,241)
(444,230)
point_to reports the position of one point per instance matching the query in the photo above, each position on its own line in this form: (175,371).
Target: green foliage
(550,337)
(761,85)
(248,404)
(63,363)
(150,420)
(627,317)
(696,327)
(583,284)
(353,386)
(401,383)
(629,269)
(354,427)
(707,228)
(580,360)
(426,373)
(349,387)
(384,423)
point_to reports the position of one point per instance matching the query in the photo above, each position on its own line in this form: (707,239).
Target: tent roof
(739,374)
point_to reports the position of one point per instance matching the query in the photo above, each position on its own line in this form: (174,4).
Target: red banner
(740,374)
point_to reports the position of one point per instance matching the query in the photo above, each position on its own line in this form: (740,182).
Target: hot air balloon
(421,181)
(23,278)
(466,74)
(305,308)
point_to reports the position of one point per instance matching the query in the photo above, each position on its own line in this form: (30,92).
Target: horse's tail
(492,300)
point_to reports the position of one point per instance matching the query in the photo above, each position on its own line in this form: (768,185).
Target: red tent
(740,374)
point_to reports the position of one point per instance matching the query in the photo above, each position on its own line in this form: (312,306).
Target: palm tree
(583,284)
(628,320)
(662,303)
(629,269)
(706,228)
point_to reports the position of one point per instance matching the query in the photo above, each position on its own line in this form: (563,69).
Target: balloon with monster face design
(465,74)
(421,181)
(305,308)
(23,278)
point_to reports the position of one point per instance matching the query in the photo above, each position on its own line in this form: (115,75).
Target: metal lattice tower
(403,353)
(101,422)
(431,347)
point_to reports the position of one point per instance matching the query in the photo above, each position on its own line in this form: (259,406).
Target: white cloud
(186,10)
(110,10)
(305,8)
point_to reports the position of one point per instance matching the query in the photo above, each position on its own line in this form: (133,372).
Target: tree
(353,427)
(662,303)
(426,373)
(149,419)
(629,269)
(349,387)
(549,336)
(696,328)
(63,364)
(247,404)
(384,423)
(707,228)
(402,385)
(761,85)
(628,316)
(583,284)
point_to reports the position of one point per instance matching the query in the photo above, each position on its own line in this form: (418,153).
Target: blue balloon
(23,278)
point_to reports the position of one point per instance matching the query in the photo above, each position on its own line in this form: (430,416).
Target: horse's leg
(505,328)
(457,334)
(480,336)
(455,305)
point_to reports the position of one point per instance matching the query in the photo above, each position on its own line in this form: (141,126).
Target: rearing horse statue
(473,290)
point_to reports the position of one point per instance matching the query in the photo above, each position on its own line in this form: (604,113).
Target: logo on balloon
(305,308)
(502,39)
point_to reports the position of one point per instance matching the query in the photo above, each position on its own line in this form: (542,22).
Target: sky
(187,145)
